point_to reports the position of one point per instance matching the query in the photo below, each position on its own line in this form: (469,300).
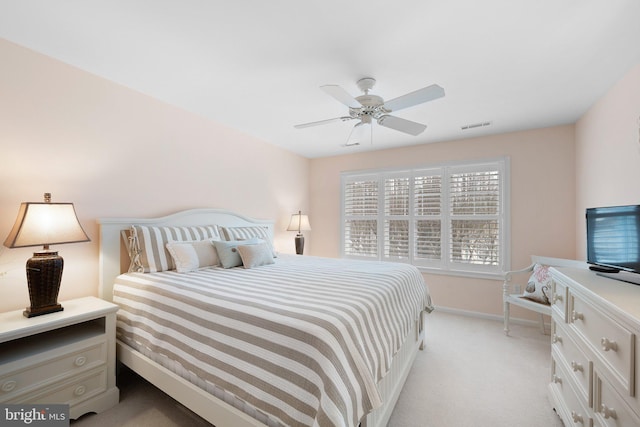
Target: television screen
(613,237)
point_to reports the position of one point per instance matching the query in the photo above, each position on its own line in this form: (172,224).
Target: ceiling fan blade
(341,95)
(323,122)
(419,96)
(403,125)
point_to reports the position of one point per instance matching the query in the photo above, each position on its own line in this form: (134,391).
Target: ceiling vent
(475,125)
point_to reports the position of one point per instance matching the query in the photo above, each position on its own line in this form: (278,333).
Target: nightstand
(66,357)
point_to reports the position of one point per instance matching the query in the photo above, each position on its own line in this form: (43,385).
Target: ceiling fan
(367,108)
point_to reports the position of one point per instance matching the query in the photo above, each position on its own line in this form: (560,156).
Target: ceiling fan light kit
(369,107)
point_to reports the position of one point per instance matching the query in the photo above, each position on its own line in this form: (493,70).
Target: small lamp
(45,224)
(299,223)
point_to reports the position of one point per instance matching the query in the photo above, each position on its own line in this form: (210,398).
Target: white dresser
(66,357)
(595,372)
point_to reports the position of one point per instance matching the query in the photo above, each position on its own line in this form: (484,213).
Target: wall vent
(475,125)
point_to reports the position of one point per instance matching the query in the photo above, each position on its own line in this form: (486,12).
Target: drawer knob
(576,366)
(577,418)
(608,345)
(8,386)
(607,412)
(576,315)
(80,390)
(80,360)
(556,338)
(556,379)
(556,298)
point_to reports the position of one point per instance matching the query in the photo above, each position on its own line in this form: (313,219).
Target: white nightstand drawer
(612,342)
(578,364)
(41,370)
(71,392)
(610,408)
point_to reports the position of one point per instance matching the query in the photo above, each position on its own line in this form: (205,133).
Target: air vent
(475,125)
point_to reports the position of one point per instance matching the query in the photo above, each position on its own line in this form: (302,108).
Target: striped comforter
(304,341)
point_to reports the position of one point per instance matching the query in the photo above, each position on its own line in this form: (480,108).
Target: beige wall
(608,152)
(115,152)
(542,202)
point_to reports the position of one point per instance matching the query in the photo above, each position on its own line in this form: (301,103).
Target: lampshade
(299,223)
(45,224)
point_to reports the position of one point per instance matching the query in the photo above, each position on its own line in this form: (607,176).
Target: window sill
(438,271)
(462,273)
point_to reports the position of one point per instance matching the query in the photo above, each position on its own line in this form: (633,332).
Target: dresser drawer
(575,413)
(41,370)
(576,362)
(610,408)
(611,342)
(559,298)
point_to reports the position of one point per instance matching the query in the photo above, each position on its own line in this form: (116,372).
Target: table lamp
(299,223)
(45,224)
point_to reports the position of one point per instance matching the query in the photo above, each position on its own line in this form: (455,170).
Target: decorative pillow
(539,286)
(255,255)
(148,245)
(228,251)
(127,240)
(243,233)
(190,256)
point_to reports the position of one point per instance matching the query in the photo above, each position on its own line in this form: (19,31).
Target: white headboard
(114,256)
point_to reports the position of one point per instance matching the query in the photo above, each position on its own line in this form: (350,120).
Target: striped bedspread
(304,340)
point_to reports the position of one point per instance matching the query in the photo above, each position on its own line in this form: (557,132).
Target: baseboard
(487,316)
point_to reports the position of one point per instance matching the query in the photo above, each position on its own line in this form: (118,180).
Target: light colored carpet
(469,374)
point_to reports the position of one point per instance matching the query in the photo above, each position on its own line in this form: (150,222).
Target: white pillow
(256,255)
(193,255)
(228,251)
(539,285)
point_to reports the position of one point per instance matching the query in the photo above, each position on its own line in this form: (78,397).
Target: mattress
(304,341)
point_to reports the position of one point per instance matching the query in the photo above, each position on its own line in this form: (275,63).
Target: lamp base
(299,244)
(39,311)
(44,273)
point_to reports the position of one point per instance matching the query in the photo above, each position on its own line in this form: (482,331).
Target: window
(450,218)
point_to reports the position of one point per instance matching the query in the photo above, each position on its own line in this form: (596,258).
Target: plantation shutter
(446,218)
(427,216)
(396,217)
(360,227)
(474,203)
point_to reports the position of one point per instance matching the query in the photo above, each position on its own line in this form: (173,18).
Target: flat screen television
(613,241)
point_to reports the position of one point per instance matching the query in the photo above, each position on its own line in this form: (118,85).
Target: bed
(282,340)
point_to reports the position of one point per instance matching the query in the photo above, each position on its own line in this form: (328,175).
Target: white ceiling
(257,65)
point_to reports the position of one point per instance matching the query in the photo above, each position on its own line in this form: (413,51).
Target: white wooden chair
(512,291)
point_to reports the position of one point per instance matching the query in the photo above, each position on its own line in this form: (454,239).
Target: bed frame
(114,261)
